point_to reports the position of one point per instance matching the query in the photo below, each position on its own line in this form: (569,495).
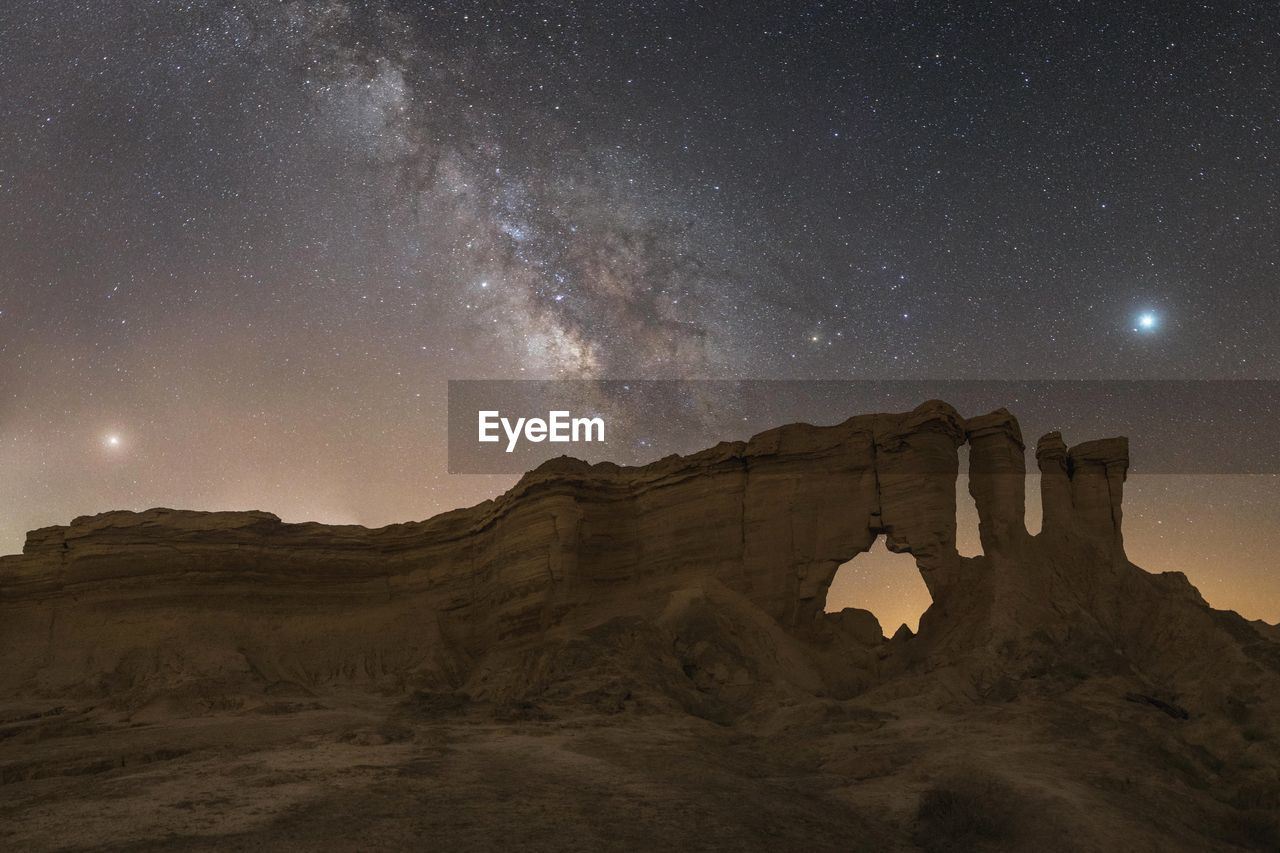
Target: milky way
(251,241)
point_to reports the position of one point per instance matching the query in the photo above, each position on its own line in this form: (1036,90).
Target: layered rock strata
(751,532)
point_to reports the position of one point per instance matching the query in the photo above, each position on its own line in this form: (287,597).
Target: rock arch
(770,519)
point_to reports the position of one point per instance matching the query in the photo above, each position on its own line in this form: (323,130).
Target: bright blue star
(1147,322)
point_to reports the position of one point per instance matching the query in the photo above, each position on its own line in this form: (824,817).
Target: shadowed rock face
(629,658)
(702,578)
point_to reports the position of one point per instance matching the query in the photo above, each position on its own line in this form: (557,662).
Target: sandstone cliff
(126,601)
(693,585)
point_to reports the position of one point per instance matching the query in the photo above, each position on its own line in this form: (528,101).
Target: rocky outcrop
(997,479)
(1082,489)
(1056,696)
(719,562)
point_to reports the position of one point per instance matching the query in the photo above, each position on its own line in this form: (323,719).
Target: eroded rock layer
(702,579)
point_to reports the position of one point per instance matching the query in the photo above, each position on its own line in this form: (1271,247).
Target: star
(590,235)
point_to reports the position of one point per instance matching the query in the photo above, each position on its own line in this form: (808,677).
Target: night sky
(243,246)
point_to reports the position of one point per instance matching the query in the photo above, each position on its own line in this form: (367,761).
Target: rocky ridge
(111,599)
(694,585)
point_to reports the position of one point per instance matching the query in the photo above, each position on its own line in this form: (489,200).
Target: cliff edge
(692,586)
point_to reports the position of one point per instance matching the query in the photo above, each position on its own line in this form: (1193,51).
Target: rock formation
(166,595)
(694,584)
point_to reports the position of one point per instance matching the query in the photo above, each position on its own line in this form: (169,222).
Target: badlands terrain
(610,658)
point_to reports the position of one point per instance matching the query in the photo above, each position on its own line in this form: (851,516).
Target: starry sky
(244,245)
